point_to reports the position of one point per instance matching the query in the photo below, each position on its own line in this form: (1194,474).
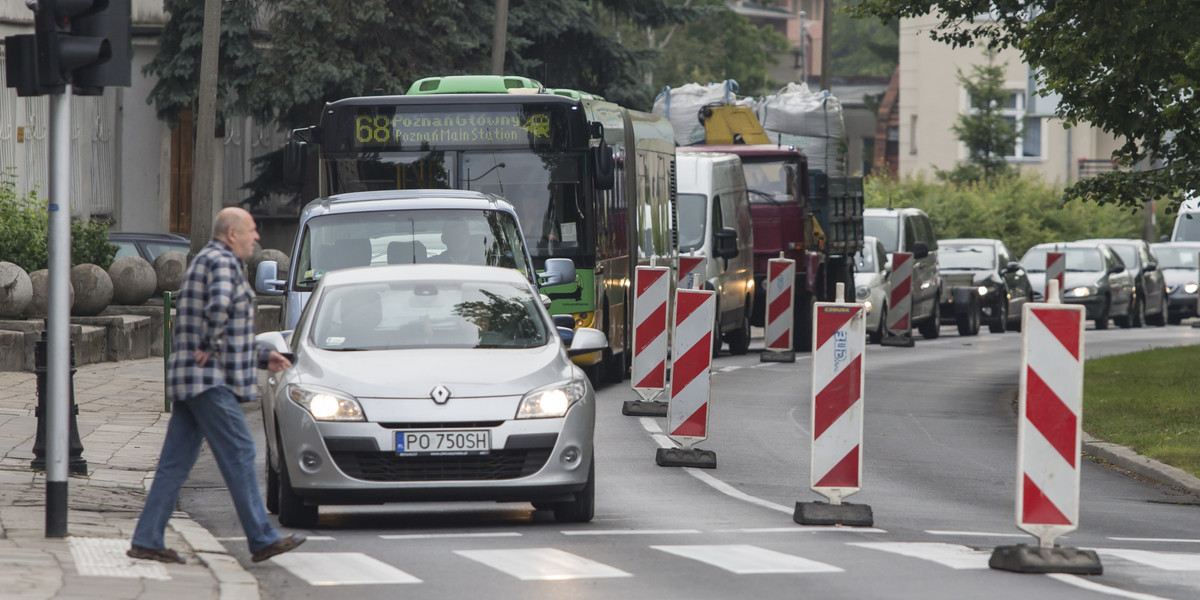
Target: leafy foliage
(1020,211)
(863,46)
(1130,69)
(989,137)
(24,226)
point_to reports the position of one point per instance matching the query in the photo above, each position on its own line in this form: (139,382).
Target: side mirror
(1115,269)
(558,271)
(275,340)
(920,250)
(1151,267)
(563,321)
(587,340)
(1012,267)
(602,158)
(266,279)
(726,243)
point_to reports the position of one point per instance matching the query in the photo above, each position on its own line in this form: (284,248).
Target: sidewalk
(121,425)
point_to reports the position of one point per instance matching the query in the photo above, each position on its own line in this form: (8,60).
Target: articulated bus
(591,181)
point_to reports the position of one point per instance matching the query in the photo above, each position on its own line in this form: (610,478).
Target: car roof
(1115,241)
(132,235)
(1077,244)
(953,241)
(891,211)
(406,200)
(424,272)
(1177,244)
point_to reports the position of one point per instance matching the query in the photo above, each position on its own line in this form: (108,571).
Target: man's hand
(277,362)
(201,357)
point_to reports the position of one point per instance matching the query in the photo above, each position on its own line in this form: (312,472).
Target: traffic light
(82,42)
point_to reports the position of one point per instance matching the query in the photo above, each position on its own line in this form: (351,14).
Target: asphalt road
(939,475)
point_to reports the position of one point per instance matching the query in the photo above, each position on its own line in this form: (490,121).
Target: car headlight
(1190,288)
(552,400)
(1083,290)
(862,292)
(867,305)
(983,290)
(326,405)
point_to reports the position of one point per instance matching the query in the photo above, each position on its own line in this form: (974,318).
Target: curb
(234,581)
(1149,468)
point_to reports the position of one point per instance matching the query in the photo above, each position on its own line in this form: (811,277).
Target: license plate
(444,442)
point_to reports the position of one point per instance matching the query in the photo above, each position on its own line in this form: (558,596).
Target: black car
(148,245)
(999,282)
(1150,304)
(1179,263)
(1094,277)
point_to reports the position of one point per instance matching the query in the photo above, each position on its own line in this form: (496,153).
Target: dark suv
(148,245)
(1150,304)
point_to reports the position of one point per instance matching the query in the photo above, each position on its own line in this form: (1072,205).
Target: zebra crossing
(555,564)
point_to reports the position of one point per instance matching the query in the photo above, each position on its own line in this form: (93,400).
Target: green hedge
(1021,211)
(24,224)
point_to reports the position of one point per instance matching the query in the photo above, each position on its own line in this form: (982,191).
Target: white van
(714,222)
(1187,224)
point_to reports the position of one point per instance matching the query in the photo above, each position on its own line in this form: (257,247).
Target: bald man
(210,372)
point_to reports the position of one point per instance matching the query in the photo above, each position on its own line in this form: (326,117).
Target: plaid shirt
(215,314)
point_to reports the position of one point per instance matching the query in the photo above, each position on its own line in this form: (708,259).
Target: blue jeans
(214,415)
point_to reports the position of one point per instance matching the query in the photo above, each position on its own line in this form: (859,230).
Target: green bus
(592,181)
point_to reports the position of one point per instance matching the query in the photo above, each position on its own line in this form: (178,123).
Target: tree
(1129,69)
(989,136)
(863,46)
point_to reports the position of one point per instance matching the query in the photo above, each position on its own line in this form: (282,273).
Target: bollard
(898,330)
(691,371)
(649,365)
(781,275)
(77,464)
(1048,440)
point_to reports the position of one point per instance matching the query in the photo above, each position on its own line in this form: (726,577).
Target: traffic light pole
(58,315)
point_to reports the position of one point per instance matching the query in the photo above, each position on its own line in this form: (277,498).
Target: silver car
(429,382)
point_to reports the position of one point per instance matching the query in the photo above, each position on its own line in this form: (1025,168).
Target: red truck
(801,217)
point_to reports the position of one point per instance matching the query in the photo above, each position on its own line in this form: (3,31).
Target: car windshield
(372,238)
(1128,254)
(1078,259)
(980,257)
(770,181)
(884,227)
(1177,258)
(864,260)
(693,216)
(427,314)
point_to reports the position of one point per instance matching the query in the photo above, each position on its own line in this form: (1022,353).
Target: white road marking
(733,492)
(1168,540)
(341,568)
(744,560)
(1092,586)
(804,529)
(729,368)
(974,533)
(432,536)
(628,531)
(650,425)
(105,557)
(954,556)
(1167,561)
(546,564)
(311,538)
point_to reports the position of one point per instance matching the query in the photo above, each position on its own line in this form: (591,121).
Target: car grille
(385,466)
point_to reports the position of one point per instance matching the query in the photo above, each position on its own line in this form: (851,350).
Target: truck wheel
(739,339)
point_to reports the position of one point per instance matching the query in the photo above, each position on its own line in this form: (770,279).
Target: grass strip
(1148,401)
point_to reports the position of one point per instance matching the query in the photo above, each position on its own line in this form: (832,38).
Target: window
(1029,126)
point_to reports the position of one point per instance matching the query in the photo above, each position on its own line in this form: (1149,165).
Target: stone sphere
(93,290)
(133,280)
(16,291)
(264,255)
(40,281)
(169,268)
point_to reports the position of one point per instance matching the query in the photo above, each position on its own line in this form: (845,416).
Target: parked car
(871,287)
(1150,303)
(1094,277)
(1179,263)
(714,222)
(909,230)
(999,281)
(148,245)
(429,382)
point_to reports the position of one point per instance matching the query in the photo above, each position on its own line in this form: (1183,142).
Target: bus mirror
(596,130)
(604,176)
(295,156)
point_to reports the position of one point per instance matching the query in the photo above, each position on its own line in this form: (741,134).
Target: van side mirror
(920,250)
(266,279)
(602,158)
(1012,267)
(726,245)
(558,271)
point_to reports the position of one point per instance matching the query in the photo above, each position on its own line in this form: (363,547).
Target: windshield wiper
(769,196)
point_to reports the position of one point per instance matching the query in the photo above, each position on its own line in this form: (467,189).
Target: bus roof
(746,149)
(577,94)
(473,84)
(425,99)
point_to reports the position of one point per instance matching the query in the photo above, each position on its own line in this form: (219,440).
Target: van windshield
(693,220)
(884,227)
(382,237)
(1187,227)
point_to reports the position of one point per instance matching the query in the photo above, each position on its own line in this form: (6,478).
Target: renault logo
(440,394)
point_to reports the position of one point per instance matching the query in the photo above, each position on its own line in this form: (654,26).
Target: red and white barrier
(687,409)
(688,266)
(1056,268)
(839,337)
(899,323)
(650,331)
(1051,418)
(781,277)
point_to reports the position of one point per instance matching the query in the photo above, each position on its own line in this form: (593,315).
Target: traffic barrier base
(686,457)
(1036,559)
(639,408)
(903,341)
(785,356)
(823,513)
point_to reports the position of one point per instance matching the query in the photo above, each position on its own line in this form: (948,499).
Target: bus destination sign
(380,128)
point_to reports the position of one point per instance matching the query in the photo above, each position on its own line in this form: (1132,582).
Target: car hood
(1071,279)
(468,373)
(1175,277)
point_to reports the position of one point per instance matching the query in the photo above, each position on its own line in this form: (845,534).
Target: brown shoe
(288,543)
(166,555)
